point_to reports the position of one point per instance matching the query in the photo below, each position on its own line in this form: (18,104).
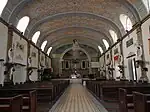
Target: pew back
(123,100)
(11,104)
(29,98)
(141,102)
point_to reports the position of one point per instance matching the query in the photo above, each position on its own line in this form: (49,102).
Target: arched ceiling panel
(62,48)
(74,19)
(73,31)
(138,6)
(69,40)
(90,18)
(63,41)
(69,32)
(40,9)
(16,5)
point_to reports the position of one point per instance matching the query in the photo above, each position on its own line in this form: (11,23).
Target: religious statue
(10,54)
(139,52)
(30,61)
(75,45)
(75,49)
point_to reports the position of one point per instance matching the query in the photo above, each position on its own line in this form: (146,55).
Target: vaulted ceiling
(61,21)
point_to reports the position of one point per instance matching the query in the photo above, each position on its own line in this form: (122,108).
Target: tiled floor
(77,99)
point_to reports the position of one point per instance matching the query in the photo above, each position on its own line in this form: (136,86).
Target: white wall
(20,74)
(116,72)
(102,62)
(34,59)
(2,69)
(17,52)
(95,64)
(34,75)
(42,55)
(3,49)
(146,36)
(107,60)
(20,56)
(50,62)
(34,63)
(130,50)
(3,41)
(47,61)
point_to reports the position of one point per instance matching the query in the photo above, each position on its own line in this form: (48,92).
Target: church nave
(74,55)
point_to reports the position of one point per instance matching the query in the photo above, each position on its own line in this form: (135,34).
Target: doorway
(132,69)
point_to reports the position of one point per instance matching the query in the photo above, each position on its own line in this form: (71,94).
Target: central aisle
(77,99)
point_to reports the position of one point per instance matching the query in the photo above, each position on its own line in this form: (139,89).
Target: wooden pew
(125,100)
(47,91)
(141,102)
(11,104)
(108,90)
(59,87)
(30,101)
(44,89)
(50,91)
(29,98)
(44,94)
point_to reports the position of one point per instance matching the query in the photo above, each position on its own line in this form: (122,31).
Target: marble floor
(77,99)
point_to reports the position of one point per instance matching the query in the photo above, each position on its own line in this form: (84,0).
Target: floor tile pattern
(77,99)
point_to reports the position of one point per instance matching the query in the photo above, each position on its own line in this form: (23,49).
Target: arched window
(126,22)
(49,50)
(23,23)
(35,37)
(100,48)
(147,4)
(43,45)
(106,44)
(2,5)
(113,35)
